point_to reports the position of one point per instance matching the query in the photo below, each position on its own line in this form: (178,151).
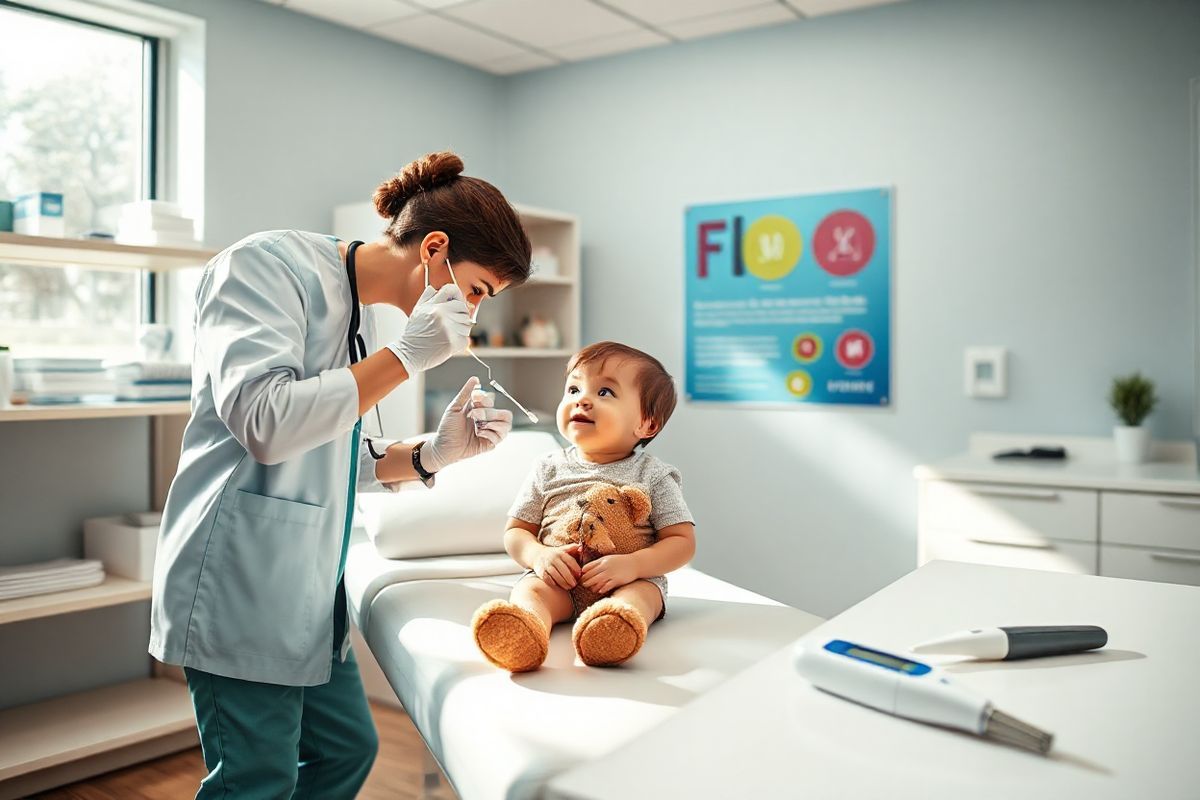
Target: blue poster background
(788,302)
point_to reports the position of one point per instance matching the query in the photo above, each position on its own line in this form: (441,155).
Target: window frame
(175,130)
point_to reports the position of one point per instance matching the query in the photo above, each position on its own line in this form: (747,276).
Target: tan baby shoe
(509,636)
(608,632)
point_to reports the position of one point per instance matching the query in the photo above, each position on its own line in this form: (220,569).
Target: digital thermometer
(908,688)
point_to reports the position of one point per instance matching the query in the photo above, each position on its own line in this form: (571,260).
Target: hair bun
(421,175)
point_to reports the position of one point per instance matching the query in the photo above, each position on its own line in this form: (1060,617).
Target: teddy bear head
(612,519)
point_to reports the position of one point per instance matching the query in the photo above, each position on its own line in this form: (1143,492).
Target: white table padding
(503,736)
(368,573)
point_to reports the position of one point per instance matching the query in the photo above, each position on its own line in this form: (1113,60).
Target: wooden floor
(398,771)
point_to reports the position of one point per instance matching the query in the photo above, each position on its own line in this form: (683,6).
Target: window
(76,117)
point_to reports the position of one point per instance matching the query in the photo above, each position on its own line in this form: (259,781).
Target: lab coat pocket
(266,577)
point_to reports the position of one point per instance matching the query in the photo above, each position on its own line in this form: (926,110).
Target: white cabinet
(1052,555)
(1151,520)
(1013,526)
(1086,515)
(1147,564)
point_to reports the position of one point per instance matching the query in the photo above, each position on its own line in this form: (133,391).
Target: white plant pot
(1132,443)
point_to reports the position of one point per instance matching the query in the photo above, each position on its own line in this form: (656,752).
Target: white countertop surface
(1124,717)
(1089,465)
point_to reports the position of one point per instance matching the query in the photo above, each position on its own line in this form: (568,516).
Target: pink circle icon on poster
(844,243)
(855,349)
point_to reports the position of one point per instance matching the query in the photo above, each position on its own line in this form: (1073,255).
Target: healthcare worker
(248,593)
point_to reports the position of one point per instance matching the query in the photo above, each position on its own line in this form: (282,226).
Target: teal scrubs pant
(266,741)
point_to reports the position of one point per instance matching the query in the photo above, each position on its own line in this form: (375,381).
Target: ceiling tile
(608,45)
(658,12)
(355,13)
(543,23)
(438,4)
(521,63)
(755,17)
(448,39)
(816,8)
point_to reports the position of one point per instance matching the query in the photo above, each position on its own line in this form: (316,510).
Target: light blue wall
(1039,153)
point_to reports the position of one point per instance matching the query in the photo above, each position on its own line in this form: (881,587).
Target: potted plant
(1132,397)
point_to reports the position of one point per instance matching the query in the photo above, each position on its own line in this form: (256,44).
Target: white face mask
(473,308)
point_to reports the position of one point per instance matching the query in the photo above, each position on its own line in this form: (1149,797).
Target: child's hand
(608,573)
(557,565)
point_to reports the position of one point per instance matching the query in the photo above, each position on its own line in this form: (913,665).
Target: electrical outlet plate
(986,372)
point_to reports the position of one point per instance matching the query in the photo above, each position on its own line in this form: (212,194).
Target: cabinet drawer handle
(1192,504)
(1172,557)
(1024,494)
(1029,545)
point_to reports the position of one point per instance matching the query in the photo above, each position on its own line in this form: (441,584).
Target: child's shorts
(658,580)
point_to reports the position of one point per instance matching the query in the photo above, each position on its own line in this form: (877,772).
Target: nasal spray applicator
(479,395)
(907,688)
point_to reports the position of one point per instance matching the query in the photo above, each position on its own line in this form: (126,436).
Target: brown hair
(653,381)
(432,194)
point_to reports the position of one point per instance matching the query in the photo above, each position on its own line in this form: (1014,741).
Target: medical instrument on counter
(491,381)
(1011,643)
(907,688)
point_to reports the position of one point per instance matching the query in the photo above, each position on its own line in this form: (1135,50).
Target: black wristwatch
(425,475)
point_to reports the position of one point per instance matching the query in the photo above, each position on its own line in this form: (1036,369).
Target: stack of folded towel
(150,380)
(61,380)
(149,222)
(59,575)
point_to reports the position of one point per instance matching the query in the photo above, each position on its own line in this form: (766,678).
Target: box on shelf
(125,543)
(39,214)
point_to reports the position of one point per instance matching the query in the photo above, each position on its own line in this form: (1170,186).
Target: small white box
(126,549)
(39,214)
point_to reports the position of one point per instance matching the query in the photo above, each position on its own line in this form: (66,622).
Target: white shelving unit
(34,413)
(47,251)
(68,738)
(113,592)
(534,376)
(72,737)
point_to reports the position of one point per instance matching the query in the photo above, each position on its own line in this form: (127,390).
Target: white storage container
(127,549)
(39,214)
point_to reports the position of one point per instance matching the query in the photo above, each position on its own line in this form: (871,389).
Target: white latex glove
(438,327)
(457,436)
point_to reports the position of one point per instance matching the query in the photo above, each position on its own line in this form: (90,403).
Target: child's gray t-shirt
(559,478)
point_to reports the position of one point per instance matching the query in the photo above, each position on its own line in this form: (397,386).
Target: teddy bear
(607,522)
(608,519)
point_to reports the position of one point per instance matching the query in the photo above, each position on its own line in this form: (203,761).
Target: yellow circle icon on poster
(771,247)
(799,383)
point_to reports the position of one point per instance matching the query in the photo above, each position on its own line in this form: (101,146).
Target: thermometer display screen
(882,659)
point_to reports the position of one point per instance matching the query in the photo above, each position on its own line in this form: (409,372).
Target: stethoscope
(357,345)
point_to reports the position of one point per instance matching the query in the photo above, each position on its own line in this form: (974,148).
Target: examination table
(420,563)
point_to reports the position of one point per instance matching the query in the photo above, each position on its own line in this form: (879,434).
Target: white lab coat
(252,532)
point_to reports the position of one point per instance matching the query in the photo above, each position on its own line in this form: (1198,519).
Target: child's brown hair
(653,381)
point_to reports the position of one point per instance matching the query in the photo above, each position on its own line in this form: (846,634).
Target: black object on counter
(1038,453)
